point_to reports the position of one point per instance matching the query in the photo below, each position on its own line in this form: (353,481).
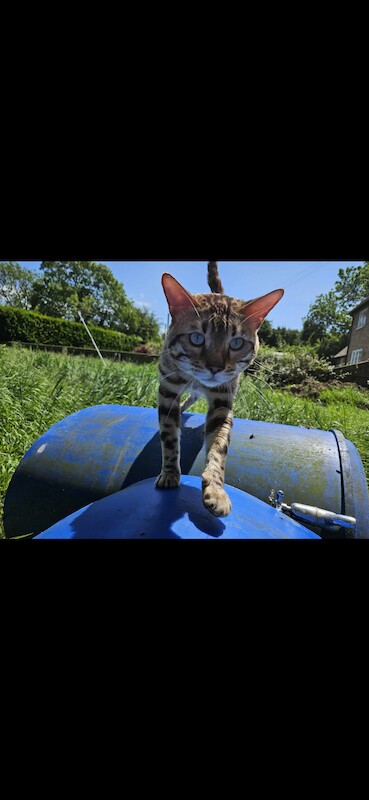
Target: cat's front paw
(216,501)
(168,479)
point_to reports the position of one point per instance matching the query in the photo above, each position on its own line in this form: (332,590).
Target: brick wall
(359,339)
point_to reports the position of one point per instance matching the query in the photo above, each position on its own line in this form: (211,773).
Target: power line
(304,273)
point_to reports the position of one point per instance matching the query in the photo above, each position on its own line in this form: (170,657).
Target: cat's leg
(170,433)
(219,423)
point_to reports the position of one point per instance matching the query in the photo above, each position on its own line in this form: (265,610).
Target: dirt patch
(310,387)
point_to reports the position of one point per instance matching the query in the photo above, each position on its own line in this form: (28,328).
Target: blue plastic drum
(144,512)
(102,450)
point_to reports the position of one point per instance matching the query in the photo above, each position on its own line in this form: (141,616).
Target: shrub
(33,328)
(292,366)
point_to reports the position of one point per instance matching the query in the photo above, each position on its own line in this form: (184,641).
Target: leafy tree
(289,336)
(329,312)
(68,287)
(145,324)
(278,337)
(16,285)
(265,331)
(328,322)
(111,305)
(331,344)
(326,316)
(353,285)
(327,325)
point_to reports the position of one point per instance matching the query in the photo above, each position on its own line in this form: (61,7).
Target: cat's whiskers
(255,366)
(175,372)
(167,351)
(255,371)
(261,365)
(257,378)
(261,395)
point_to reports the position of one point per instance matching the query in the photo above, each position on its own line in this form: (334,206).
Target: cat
(212,339)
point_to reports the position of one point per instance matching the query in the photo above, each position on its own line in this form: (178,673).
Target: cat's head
(213,338)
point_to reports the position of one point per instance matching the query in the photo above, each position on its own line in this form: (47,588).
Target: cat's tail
(214,281)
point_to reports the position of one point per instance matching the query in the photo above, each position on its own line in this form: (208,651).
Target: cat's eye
(236,343)
(197,339)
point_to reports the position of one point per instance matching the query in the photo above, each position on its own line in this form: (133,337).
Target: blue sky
(302,281)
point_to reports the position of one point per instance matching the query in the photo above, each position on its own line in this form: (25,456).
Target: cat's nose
(214,370)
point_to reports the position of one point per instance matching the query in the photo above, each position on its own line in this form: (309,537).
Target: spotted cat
(212,339)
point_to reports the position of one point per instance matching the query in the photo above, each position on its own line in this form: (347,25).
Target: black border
(155,221)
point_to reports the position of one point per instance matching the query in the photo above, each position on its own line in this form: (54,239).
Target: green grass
(38,389)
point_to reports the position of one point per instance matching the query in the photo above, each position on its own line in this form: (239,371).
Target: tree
(329,312)
(353,285)
(325,315)
(111,305)
(268,334)
(68,287)
(55,292)
(16,285)
(278,337)
(327,325)
(289,336)
(328,321)
(265,331)
(144,323)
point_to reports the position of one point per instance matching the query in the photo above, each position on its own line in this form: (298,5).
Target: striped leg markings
(169,422)
(219,423)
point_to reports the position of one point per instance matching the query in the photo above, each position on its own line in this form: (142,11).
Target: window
(356,356)
(361,320)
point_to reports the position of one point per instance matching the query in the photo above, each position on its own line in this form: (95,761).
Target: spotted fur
(211,369)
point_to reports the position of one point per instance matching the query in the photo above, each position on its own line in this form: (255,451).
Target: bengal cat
(212,339)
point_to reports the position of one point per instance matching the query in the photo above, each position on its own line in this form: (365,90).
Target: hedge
(29,326)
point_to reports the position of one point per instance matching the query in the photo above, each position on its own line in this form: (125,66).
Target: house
(340,358)
(358,346)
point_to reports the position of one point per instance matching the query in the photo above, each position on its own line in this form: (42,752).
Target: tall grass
(38,389)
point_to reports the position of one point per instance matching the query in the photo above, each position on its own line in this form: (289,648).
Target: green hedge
(28,326)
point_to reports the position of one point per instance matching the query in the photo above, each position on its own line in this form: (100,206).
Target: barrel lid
(143,512)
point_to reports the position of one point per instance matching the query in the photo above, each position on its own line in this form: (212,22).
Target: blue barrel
(143,512)
(103,449)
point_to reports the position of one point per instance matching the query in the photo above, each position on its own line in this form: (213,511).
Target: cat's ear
(256,310)
(179,301)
